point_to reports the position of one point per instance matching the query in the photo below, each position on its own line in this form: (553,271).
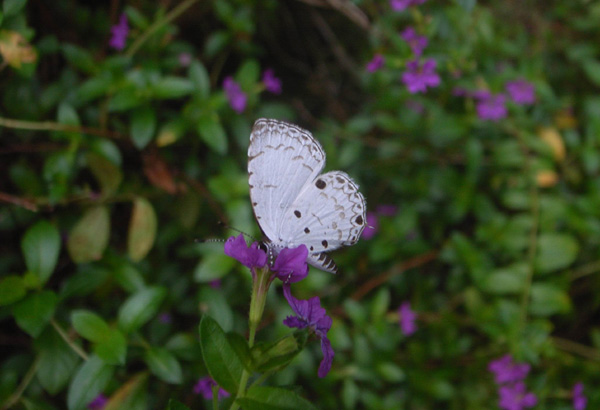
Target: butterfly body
(293,202)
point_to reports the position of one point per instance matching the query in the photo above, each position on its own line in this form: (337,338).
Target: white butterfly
(293,204)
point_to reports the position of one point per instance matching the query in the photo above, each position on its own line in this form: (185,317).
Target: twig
(15,200)
(54,126)
(16,396)
(576,348)
(68,340)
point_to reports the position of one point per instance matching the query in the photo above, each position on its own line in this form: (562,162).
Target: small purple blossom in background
(119,33)
(515,397)
(376,63)
(215,283)
(290,265)
(521,92)
(204,387)
(185,59)
(400,5)
(272,83)
(579,400)
(418,77)
(311,314)
(372,226)
(165,318)
(407,319)
(251,257)
(99,402)
(416,42)
(506,370)
(235,95)
(492,108)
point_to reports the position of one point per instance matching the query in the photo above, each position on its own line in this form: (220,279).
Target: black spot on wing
(320,184)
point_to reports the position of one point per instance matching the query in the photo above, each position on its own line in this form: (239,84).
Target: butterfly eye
(263,247)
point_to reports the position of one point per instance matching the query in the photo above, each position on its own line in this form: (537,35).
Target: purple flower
(215,283)
(579,400)
(290,265)
(400,5)
(416,42)
(272,83)
(251,257)
(204,387)
(407,319)
(311,314)
(507,371)
(119,33)
(521,92)
(376,63)
(515,397)
(185,59)
(492,107)
(98,403)
(418,77)
(372,226)
(235,95)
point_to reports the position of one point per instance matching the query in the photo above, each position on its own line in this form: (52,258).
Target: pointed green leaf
(555,251)
(273,398)
(175,405)
(140,308)
(89,237)
(142,229)
(112,348)
(35,311)
(548,299)
(200,79)
(171,87)
(57,361)
(91,378)
(143,126)
(164,365)
(89,325)
(212,133)
(12,289)
(508,280)
(220,358)
(41,246)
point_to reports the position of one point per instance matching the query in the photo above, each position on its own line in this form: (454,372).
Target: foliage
(115,159)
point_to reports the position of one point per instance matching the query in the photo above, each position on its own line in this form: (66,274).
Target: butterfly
(293,202)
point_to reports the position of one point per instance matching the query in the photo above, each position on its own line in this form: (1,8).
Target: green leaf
(164,365)
(508,280)
(142,229)
(547,299)
(57,361)
(200,79)
(93,88)
(35,311)
(592,70)
(91,378)
(278,354)
(171,87)
(89,325)
(89,237)
(87,279)
(555,251)
(273,398)
(217,306)
(212,133)
(112,348)
(213,266)
(12,289)
(79,57)
(175,405)
(140,308)
(124,99)
(248,74)
(41,246)
(12,7)
(142,126)
(219,357)
(108,175)
(128,277)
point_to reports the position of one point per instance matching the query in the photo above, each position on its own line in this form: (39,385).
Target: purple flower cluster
(407,319)
(236,97)
(419,76)
(509,377)
(416,42)
(119,33)
(272,83)
(290,266)
(376,63)
(401,5)
(204,387)
(491,106)
(579,400)
(521,92)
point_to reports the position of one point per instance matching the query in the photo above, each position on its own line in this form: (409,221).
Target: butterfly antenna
(223,224)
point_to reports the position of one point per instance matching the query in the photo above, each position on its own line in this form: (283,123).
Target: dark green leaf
(12,289)
(175,405)
(41,246)
(57,361)
(94,88)
(140,307)
(87,279)
(555,251)
(171,87)
(143,126)
(128,277)
(507,280)
(212,133)
(112,348)
(124,100)
(273,398)
(548,299)
(89,325)
(200,79)
(35,311)
(11,7)
(592,69)
(79,57)
(220,359)
(91,378)
(164,365)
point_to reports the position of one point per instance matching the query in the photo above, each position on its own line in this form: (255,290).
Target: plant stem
(55,126)
(16,396)
(173,14)
(68,340)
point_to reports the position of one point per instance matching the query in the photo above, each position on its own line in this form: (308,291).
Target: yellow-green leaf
(89,237)
(142,229)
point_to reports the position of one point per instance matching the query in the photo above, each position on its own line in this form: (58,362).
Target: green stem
(170,16)
(16,396)
(68,340)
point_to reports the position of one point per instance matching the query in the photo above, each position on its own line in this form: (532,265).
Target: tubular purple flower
(251,257)
(579,400)
(204,387)
(119,33)
(272,83)
(521,92)
(416,42)
(311,314)
(290,265)
(418,77)
(236,97)
(407,319)
(376,63)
